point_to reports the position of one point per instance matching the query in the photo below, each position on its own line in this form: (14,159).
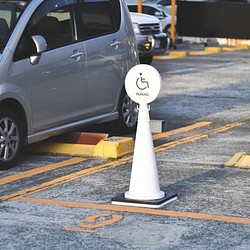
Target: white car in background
(150,38)
(158,11)
(165,3)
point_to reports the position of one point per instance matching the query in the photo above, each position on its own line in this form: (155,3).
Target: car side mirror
(41,46)
(158,14)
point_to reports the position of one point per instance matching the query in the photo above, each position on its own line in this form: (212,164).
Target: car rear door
(104,40)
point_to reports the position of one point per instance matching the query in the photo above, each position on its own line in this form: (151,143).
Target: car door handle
(76,55)
(115,44)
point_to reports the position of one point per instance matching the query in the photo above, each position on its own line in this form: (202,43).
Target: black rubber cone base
(122,200)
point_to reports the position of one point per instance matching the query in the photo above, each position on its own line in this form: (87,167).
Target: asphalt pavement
(64,202)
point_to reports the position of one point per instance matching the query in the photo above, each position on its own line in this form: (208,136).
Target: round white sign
(143,83)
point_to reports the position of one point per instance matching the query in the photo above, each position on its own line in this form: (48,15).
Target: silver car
(62,66)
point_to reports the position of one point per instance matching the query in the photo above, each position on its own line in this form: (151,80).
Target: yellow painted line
(196,137)
(114,164)
(117,208)
(66,178)
(225,127)
(40,170)
(181,130)
(179,142)
(71,161)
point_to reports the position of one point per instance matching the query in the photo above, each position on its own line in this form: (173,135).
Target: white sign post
(143,84)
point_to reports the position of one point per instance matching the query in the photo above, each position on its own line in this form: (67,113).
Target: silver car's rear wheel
(10,138)
(128,113)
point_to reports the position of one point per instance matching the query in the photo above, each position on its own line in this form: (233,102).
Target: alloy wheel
(9,139)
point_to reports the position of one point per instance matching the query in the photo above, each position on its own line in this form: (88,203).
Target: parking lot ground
(64,202)
(211,212)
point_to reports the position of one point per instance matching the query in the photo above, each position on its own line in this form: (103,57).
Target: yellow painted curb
(239,160)
(207,51)
(83,150)
(229,49)
(244,162)
(199,53)
(243,46)
(213,49)
(234,159)
(114,147)
(171,55)
(178,53)
(164,57)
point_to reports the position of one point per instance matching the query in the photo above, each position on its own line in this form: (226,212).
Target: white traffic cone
(144,183)
(143,83)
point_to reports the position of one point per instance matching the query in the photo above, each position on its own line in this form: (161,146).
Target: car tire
(11,137)
(167,29)
(146,59)
(128,114)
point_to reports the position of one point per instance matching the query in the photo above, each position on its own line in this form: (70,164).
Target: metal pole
(139,6)
(173,14)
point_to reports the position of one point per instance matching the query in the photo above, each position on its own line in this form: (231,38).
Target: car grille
(148,29)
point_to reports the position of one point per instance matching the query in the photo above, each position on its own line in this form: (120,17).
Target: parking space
(212,199)
(55,201)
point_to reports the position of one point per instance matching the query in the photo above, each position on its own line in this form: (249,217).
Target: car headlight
(136,28)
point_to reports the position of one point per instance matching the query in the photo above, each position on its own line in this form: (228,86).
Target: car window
(132,8)
(10,11)
(98,18)
(149,10)
(4,28)
(54,21)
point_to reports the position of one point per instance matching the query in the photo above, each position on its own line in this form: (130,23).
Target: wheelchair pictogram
(141,83)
